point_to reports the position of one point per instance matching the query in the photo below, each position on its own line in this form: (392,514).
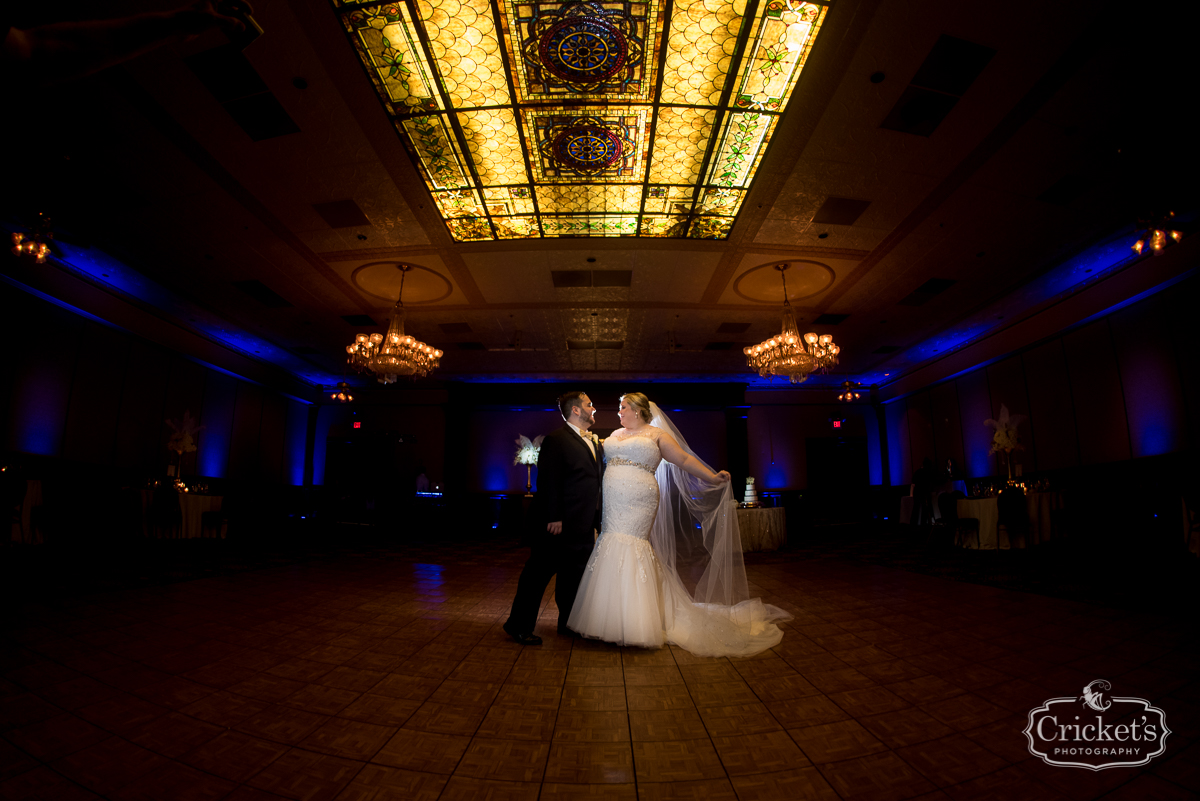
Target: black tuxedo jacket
(569,489)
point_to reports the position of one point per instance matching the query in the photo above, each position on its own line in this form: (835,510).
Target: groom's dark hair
(569,400)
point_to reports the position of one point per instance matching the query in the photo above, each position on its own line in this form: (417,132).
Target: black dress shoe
(524,639)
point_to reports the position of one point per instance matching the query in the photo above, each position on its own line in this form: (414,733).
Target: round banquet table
(987,512)
(191,508)
(1041,504)
(992,535)
(763,529)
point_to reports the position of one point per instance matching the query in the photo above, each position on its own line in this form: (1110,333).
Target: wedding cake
(751,498)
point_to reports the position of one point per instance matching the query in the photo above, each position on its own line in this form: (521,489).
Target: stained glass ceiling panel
(532,118)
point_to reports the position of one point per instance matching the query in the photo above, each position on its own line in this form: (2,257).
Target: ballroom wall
(1124,386)
(780,423)
(471,447)
(87,393)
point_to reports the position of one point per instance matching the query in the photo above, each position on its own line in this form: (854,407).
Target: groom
(564,514)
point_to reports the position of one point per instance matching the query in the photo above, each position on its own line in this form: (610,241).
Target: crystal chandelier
(1158,236)
(341,393)
(849,392)
(34,245)
(395,353)
(789,354)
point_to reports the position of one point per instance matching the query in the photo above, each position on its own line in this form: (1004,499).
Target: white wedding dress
(658,522)
(620,595)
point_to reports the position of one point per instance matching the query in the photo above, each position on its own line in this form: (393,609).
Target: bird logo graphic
(1093,697)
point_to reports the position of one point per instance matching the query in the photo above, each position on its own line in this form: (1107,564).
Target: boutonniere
(595,440)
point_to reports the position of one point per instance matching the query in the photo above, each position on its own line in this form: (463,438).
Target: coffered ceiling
(935,161)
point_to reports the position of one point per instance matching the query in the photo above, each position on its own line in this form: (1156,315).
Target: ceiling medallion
(583,50)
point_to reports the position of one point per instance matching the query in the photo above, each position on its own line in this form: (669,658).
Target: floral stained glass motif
(545,118)
(387,42)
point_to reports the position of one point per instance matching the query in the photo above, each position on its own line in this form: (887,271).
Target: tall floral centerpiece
(527,454)
(183,440)
(1006,439)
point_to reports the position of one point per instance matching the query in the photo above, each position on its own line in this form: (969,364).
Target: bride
(667,567)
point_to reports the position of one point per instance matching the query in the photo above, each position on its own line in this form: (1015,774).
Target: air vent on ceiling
(236,85)
(304,350)
(587,344)
(455,328)
(830,319)
(840,211)
(341,214)
(1066,190)
(359,320)
(732,328)
(719,346)
(926,292)
(262,293)
(470,346)
(883,349)
(947,72)
(565,279)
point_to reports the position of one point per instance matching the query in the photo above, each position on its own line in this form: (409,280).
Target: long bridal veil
(707,608)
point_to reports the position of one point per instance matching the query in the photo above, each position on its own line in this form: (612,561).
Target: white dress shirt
(586,440)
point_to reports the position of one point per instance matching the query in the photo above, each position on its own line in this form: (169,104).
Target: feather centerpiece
(182,440)
(527,450)
(1006,437)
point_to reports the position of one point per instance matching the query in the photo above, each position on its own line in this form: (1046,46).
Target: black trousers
(544,562)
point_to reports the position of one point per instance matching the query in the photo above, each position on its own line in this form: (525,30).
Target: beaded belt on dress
(615,460)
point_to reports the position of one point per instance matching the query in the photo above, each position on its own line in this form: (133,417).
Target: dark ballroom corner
(284,315)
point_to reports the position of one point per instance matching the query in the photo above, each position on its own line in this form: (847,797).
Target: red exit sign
(836,424)
(357,424)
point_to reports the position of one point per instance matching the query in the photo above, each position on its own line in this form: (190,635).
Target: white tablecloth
(26,529)
(986,511)
(763,529)
(193,507)
(1041,504)
(992,535)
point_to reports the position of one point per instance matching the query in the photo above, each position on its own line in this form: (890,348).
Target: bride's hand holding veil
(685,461)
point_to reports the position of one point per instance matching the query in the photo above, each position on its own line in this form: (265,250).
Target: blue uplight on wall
(213,458)
(40,409)
(100,268)
(1067,278)
(495,477)
(295,442)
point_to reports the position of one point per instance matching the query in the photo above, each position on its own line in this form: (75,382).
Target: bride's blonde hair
(640,404)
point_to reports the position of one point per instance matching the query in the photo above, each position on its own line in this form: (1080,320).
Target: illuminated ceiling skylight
(585,118)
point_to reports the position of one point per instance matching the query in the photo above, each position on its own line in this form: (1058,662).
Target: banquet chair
(948,507)
(212,521)
(1013,514)
(166,517)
